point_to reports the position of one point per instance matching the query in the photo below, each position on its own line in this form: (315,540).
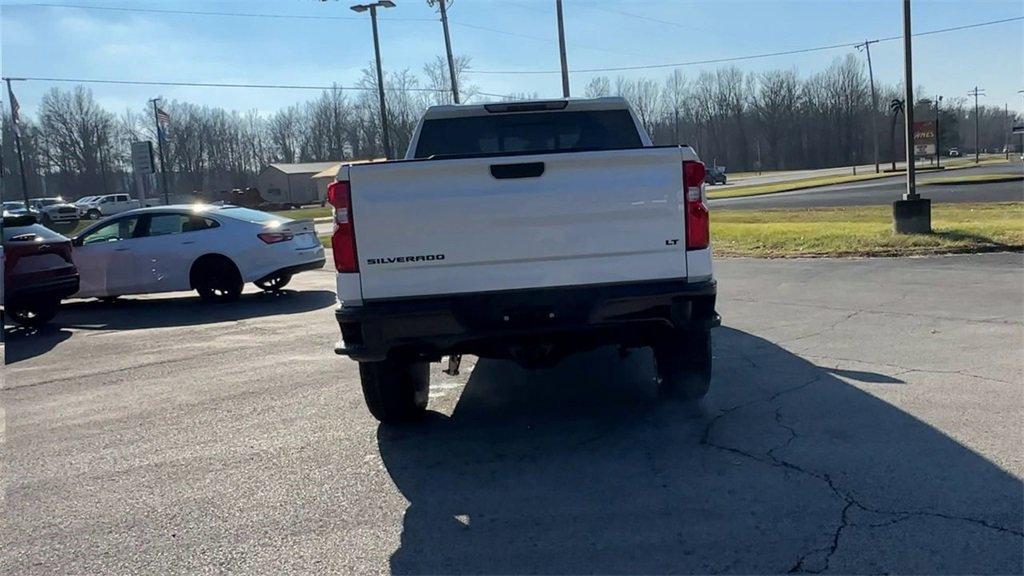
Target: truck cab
(527,231)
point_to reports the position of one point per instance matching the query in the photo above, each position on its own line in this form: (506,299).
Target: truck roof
(574,104)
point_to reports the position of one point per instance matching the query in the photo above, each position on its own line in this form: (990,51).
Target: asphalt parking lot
(865,417)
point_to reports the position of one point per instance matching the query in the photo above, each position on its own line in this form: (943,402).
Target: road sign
(142,157)
(924,138)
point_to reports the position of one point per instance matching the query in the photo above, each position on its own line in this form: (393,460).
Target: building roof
(303,167)
(331,172)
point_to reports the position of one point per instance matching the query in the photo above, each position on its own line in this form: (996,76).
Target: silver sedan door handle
(121,249)
(189,242)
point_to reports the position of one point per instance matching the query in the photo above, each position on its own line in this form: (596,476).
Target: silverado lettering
(401,259)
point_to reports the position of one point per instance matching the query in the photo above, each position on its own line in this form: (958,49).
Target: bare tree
(598,87)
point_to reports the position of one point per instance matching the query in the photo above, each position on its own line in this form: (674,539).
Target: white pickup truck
(103,206)
(522,230)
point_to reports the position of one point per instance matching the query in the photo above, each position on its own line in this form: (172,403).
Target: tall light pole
(561,50)
(874,98)
(908,106)
(977,144)
(938,135)
(447,46)
(912,214)
(380,74)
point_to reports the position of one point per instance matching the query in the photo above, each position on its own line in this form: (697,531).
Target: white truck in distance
(522,230)
(103,206)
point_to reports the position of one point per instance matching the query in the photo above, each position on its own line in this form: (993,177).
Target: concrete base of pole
(912,216)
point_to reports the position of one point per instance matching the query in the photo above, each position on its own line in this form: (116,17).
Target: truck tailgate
(498,223)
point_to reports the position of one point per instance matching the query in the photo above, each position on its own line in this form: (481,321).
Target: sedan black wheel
(217,280)
(274,283)
(34,313)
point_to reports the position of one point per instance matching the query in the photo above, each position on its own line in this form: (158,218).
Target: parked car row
(49,212)
(213,250)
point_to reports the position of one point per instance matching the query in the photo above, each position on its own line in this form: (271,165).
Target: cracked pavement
(865,417)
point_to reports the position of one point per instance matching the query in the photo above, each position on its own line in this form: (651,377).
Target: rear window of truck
(530,132)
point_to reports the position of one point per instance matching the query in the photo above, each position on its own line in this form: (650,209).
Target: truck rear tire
(33,313)
(395,390)
(684,365)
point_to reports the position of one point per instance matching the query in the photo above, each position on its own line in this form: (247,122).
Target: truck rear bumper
(493,323)
(59,287)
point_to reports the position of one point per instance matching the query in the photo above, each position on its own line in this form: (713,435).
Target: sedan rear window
(556,131)
(249,215)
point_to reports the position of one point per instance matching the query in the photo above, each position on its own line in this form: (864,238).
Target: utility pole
(977,144)
(938,135)
(385,137)
(912,214)
(874,99)
(448,47)
(1009,127)
(675,130)
(561,50)
(160,148)
(15,118)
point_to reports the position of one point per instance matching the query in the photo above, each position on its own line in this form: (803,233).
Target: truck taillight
(698,222)
(343,241)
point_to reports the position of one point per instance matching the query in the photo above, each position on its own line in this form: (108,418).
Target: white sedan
(214,250)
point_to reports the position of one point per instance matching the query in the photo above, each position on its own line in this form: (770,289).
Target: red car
(38,270)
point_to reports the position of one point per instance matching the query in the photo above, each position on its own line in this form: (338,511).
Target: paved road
(866,416)
(884,191)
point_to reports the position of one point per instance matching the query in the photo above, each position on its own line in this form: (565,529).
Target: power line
(312,17)
(232,85)
(751,56)
(541,39)
(207,13)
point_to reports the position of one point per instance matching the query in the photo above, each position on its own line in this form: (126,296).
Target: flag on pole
(163,121)
(15,111)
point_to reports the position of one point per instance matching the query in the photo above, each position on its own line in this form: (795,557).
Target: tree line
(768,120)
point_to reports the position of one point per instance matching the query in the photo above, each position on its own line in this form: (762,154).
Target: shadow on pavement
(24,343)
(581,469)
(141,313)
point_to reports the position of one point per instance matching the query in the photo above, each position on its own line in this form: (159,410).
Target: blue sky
(60,41)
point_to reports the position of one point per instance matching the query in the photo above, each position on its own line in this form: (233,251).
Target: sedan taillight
(274,237)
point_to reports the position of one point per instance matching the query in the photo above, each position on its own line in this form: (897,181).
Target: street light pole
(561,50)
(874,99)
(385,137)
(908,106)
(912,214)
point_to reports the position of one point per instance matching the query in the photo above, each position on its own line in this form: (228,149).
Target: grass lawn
(304,213)
(865,231)
(788,185)
(975,179)
(815,181)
